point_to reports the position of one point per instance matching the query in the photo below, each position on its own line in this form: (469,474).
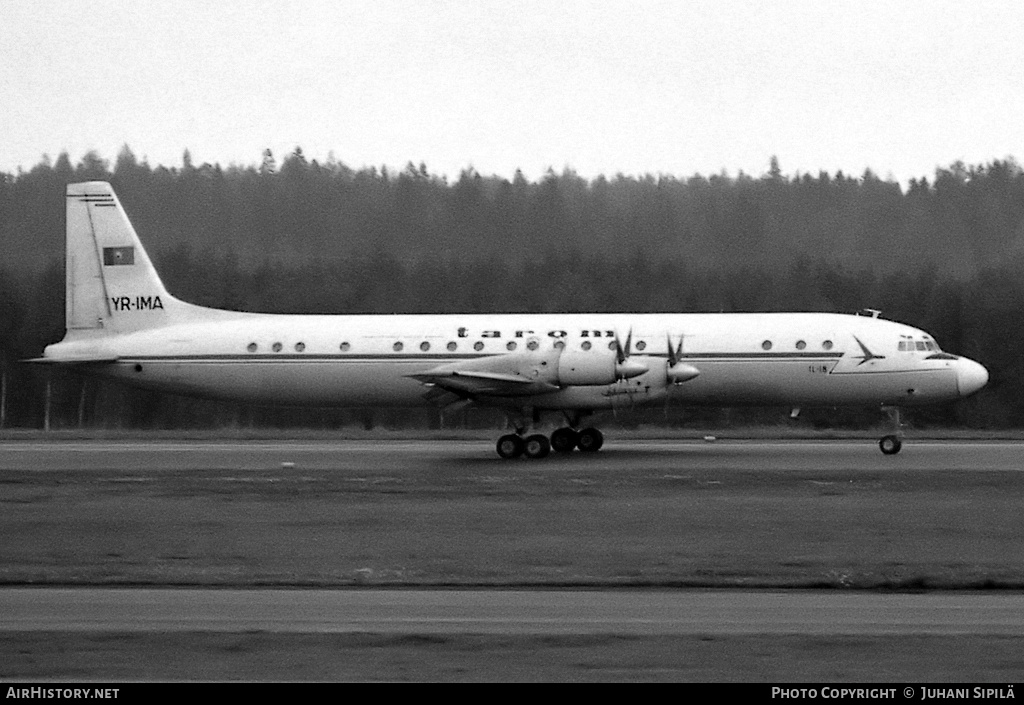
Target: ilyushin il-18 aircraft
(123,324)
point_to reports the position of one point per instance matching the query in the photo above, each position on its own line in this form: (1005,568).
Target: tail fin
(112,286)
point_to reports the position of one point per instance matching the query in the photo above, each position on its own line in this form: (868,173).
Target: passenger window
(252,347)
(826,345)
(511,345)
(532,345)
(299,347)
(452,346)
(424,346)
(397,347)
(800,345)
(277,347)
(345,347)
(586,345)
(478,346)
(766,345)
(641,345)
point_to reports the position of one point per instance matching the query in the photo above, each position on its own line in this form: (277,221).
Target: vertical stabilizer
(111,284)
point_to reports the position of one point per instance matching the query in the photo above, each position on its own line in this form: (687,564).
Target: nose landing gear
(893,442)
(890,444)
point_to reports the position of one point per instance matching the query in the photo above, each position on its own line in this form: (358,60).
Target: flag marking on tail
(118,255)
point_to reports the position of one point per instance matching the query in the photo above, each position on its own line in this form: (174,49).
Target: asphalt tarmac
(617,455)
(104,515)
(510,612)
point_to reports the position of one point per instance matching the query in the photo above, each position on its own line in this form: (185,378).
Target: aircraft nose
(970,376)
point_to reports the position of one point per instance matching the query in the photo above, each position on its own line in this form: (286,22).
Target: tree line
(945,254)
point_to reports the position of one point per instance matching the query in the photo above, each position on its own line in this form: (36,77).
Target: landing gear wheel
(590,440)
(564,440)
(890,445)
(510,446)
(537,446)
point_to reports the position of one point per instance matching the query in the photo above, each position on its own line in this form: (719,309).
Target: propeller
(624,367)
(677,370)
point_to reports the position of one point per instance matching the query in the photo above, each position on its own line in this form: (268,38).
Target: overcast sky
(636,87)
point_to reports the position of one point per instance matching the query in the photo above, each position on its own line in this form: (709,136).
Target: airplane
(122,323)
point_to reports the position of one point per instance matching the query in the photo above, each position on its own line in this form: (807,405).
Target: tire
(890,445)
(537,446)
(590,440)
(510,446)
(564,440)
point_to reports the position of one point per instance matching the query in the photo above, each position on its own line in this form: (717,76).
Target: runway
(422,514)
(510,612)
(651,560)
(618,455)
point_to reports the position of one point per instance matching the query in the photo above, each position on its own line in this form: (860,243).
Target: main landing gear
(537,445)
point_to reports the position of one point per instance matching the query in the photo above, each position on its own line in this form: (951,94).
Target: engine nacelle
(642,389)
(584,368)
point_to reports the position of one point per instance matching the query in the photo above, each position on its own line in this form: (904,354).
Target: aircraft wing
(73,360)
(514,375)
(470,384)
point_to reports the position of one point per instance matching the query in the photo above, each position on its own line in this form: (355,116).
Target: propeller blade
(622,353)
(624,367)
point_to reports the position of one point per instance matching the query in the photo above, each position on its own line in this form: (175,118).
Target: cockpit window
(909,345)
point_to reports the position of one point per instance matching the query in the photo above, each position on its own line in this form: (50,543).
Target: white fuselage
(798,359)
